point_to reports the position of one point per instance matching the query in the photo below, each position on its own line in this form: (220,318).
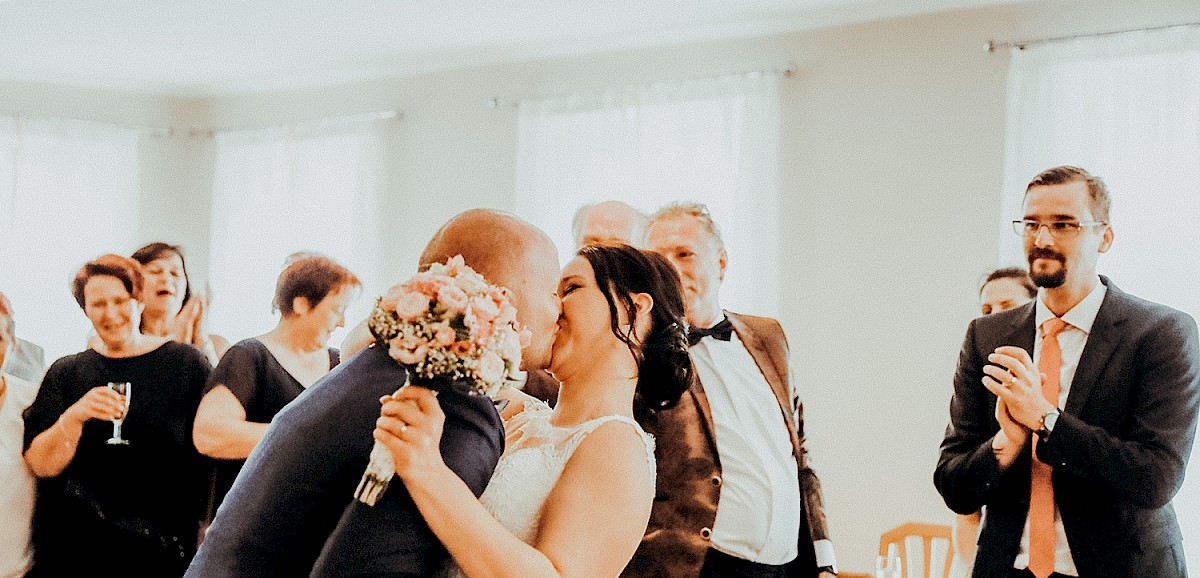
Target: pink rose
(454,264)
(412,305)
(392,298)
(507,316)
(485,309)
(491,367)
(427,284)
(471,286)
(452,298)
(412,357)
(406,350)
(510,346)
(444,335)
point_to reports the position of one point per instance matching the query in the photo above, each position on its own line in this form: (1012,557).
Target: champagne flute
(125,390)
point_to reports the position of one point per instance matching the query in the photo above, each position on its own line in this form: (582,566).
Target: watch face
(1049,421)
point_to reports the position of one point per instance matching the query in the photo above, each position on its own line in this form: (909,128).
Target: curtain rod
(367,116)
(786,71)
(166,132)
(993,46)
(156,131)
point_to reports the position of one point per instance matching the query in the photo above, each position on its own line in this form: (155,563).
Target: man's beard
(1047,280)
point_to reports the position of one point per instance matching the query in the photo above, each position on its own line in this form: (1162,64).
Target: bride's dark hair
(664,367)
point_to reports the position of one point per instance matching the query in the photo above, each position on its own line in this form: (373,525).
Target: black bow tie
(722,331)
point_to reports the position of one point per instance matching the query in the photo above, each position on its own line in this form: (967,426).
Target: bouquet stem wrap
(379,474)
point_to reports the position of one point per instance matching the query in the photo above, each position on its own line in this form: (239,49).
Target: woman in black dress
(110,508)
(260,375)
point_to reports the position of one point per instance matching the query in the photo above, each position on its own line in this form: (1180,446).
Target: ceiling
(194,48)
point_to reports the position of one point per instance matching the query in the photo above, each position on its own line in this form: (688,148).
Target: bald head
(512,253)
(491,242)
(608,222)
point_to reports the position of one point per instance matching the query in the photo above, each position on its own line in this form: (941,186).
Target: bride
(571,495)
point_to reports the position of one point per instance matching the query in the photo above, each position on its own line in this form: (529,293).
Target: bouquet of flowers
(453,330)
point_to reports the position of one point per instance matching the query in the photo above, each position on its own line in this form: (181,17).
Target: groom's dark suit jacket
(291,511)
(1119,448)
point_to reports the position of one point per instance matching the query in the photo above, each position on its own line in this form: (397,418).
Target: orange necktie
(1041,491)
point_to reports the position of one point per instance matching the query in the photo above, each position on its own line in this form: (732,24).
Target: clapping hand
(188,325)
(410,427)
(1015,380)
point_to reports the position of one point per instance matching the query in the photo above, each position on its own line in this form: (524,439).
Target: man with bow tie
(735,494)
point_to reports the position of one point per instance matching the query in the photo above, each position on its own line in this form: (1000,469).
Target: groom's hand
(410,427)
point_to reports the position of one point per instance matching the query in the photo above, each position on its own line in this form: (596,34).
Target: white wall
(891,165)
(175,179)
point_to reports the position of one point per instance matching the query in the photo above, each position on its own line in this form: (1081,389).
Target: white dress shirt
(1071,341)
(17,484)
(758,515)
(25,360)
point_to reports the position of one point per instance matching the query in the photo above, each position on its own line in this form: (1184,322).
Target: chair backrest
(934,540)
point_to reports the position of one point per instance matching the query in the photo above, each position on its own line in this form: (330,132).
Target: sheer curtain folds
(68,193)
(312,186)
(1126,108)
(714,141)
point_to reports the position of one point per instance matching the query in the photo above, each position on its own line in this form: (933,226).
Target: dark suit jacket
(689,470)
(542,385)
(1119,449)
(293,500)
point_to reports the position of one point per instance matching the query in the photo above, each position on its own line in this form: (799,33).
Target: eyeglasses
(1058,229)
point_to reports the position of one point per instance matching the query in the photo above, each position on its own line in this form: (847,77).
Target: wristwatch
(1048,420)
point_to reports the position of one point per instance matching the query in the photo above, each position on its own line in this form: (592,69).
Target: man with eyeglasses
(1073,416)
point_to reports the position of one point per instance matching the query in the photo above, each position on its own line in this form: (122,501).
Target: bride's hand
(410,427)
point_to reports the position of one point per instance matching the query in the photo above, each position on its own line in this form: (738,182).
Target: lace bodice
(535,455)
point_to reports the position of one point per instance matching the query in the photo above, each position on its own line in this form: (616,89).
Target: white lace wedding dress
(534,457)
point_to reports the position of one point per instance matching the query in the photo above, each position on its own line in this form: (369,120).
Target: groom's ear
(300,305)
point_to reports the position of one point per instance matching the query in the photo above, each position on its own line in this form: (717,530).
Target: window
(713,141)
(68,194)
(312,186)
(1126,108)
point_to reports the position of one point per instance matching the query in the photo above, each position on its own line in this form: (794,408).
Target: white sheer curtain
(1126,108)
(68,193)
(311,186)
(714,141)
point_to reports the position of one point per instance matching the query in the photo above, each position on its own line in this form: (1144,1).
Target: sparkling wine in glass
(125,390)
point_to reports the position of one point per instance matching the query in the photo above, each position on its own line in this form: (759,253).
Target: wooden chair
(934,540)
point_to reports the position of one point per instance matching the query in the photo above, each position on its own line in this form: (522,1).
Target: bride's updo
(664,367)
